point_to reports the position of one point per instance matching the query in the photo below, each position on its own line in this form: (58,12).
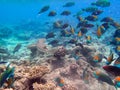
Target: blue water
(15,11)
(23,16)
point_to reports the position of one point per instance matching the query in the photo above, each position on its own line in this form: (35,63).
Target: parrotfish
(97,58)
(52,13)
(114,70)
(50,35)
(117,62)
(90,9)
(107,19)
(69,4)
(103,77)
(97,12)
(92,18)
(44,9)
(17,48)
(8,73)
(100,31)
(110,58)
(79,34)
(60,81)
(66,13)
(89,39)
(101,3)
(117,81)
(117,39)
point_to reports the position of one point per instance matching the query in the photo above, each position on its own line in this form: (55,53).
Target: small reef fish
(72,41)
(82,23)
(83,30)
(117,33)
(118,49)
(57,24)
(66,13)
(107,19)
(6,75)
(117,62)
(64,26)
(88,25)
(53,42)
(92,18)
(79,34)
(105,26)
(110,58)
(114,70)
(4,51)
(101,3)
(97,12)
(72,30)
(52,13)
(65,33)
(60,81)
(17,48)
(103,77)
(78,13)
(97,58)
(80,18)
(115,24)
(50,35)
(3,62)
(117,39)
(117,82)
(69,4)
(44,9)
(90,9)
(80,44)
(89,39)
(100,31)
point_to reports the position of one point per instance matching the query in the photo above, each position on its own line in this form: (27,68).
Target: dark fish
(101,3)
(112,70)
(117,33)
(97,12)
(88,25)
(3,62)
(82,23)
(44,9)
(54,42)
(4,51)
(66,13)
(115,24)
(65,33)
(91,18)
(117,62)
(106,25)
(78,13)
(69,4)
(73,41)
(83,30)
(65,25)
(57,24)
(50,35)
(17,47)
(104,78)
(107,19)
(52,13)
(79,44)
(90,9)
(79,18)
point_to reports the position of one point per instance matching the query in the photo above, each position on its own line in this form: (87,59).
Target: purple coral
(61,52)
